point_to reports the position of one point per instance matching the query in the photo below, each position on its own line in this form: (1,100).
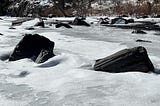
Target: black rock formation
(127,60)
(35,47)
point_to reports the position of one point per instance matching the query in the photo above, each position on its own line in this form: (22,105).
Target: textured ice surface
(68,78)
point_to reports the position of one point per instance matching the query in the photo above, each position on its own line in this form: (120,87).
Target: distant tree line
(3,6)
(110,7)
(138,8)
(83,7)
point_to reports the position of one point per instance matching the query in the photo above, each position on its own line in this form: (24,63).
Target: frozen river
(68,78)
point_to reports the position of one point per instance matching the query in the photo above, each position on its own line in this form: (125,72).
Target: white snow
(68,79)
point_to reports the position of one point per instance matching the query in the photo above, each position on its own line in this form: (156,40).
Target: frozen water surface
(68,79)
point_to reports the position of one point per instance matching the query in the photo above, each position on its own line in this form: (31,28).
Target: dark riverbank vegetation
(52,8)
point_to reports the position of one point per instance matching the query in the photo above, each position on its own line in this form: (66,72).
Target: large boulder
(33,46)
(127,60)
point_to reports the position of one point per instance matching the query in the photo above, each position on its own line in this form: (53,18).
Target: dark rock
(30,28)
(1,34)
(4,57)
(138,32)
(130,20)
(104,21)
(119,20)
(23,74)
(157,34)
(1,19)
(127,60)
(31,46)
(12,28)
(80,21)
(63,25)
(145,16)
(92,23)
(41,23)
(140,40)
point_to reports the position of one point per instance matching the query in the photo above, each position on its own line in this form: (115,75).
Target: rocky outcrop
(127,60)
(36,47)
